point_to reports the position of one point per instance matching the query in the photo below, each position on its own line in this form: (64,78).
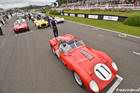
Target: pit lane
(27,64)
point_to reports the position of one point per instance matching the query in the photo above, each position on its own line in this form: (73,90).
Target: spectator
(1,22)
(6,16)
(11,14)
(4,19)
(54,27)
(29,16)
(1,33)
(48,19)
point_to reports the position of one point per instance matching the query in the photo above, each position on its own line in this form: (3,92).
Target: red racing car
(91,68)
(21,25)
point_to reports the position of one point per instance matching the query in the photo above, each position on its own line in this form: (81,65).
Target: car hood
(91,62)
(59,19)
(100,70)
(41,21)
(23,25)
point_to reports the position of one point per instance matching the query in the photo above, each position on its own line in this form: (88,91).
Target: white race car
(59,20)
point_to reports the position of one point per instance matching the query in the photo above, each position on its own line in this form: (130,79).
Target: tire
(78,79)
(38,27)
(16,32)
(28,29)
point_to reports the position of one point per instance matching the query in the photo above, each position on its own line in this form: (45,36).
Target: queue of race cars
(40,20)
(92,69)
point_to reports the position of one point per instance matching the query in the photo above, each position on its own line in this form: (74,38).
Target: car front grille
(22,29)
(43,25)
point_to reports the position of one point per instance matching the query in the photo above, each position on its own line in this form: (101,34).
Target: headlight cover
(114,66)
(93,86)
(37,24)
(62,18)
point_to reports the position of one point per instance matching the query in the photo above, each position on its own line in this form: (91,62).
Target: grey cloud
(20,3)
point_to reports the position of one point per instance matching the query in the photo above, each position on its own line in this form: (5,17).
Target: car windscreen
(19,22)
(65,46)
(75,43)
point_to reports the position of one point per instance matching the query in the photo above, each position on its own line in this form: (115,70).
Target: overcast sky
(20,3)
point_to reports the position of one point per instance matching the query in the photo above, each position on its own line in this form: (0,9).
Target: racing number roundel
(102,72)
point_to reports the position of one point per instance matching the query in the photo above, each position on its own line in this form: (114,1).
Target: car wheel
(16,32)
(38,27)
(78,79)
(28,29)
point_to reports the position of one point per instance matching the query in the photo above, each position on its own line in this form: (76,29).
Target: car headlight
(37,24)
(114,66)
(93,86)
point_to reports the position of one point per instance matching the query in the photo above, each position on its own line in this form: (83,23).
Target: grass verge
(116,26)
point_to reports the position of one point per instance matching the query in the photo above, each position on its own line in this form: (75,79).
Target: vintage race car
(41,23)
(21,25)
(59,20)
(92,69)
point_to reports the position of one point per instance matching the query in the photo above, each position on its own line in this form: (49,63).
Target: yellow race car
(41,23)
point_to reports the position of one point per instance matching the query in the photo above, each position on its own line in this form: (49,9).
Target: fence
(96,16)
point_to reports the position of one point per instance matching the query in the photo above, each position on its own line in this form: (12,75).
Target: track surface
(28,66)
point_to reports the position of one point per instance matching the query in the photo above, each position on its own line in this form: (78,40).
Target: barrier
(96,16)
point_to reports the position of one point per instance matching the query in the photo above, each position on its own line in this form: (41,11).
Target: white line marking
(122,35)
(137,53)
(105,29)
(116,84)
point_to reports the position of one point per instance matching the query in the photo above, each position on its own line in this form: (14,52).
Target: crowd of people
(99,4)
(3,21)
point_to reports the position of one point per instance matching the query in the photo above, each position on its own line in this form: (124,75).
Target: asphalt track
(27,64)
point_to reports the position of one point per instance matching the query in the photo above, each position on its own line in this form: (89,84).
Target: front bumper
(21,30)
(115,85)
(42,25)
(60,22)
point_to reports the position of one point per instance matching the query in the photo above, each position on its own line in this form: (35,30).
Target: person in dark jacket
(1,22)
(6,16)
(4,19)
(47,19)
(54,27)
(1,33)
(29,17)
(11,14)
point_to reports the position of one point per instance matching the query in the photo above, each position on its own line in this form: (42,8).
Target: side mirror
(54,43)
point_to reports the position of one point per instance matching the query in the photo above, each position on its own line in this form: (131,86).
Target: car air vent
(86,54)
(102,71)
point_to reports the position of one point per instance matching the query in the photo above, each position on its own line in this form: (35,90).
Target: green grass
(116,26)
(112,12)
